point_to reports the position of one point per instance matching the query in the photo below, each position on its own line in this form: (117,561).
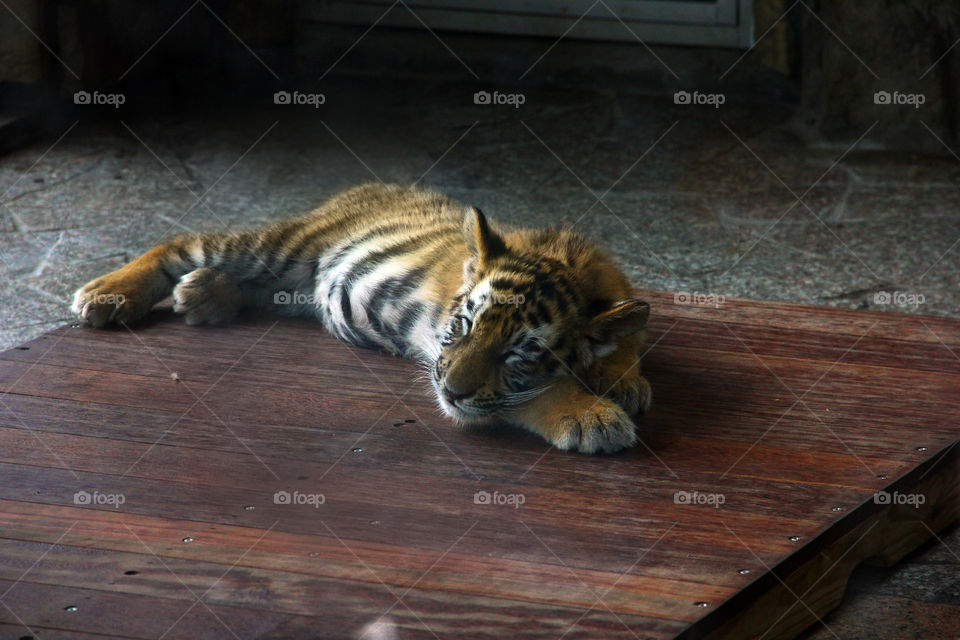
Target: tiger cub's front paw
(110,299)
(603,427)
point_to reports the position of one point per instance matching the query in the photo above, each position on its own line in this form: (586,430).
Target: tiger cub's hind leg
(210,275)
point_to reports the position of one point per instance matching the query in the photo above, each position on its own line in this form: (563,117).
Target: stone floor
(735,201)
(689,198)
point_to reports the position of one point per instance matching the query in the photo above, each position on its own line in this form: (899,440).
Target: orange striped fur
(534,327)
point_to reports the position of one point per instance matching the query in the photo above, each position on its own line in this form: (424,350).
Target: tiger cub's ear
(486,241)
(623,319)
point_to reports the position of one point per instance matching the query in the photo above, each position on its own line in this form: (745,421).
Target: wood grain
(779,422)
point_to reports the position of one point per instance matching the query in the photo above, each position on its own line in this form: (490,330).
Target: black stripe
(386,333)
(230,254)
(354,242)
(345,307)
(409,317)
(261,250)
(392,290)
(395,288)
(366,265)
(561,303)
(253,257)
(293,256)
(511,286)
(543,313)
(360,340)
(173,281)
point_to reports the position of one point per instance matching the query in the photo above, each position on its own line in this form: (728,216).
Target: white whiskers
(511,400)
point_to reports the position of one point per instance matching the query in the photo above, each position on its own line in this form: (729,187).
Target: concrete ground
(735,201)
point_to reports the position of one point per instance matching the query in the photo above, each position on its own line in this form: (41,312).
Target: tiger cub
(534,327)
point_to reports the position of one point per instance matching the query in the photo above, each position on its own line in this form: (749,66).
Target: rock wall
(867,61)
(22,57)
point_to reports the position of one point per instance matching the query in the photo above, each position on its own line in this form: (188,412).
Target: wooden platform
(167,483)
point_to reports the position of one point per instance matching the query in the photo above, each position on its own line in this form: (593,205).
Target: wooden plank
(87,610)
(873,411)
(224,583)
(33,632)
(793,416)
(387,445)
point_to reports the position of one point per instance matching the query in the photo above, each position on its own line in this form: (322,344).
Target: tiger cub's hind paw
(207,296)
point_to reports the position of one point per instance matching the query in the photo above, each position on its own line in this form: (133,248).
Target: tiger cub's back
(388,260)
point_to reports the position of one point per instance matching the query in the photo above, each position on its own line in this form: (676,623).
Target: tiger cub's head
(527,312)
